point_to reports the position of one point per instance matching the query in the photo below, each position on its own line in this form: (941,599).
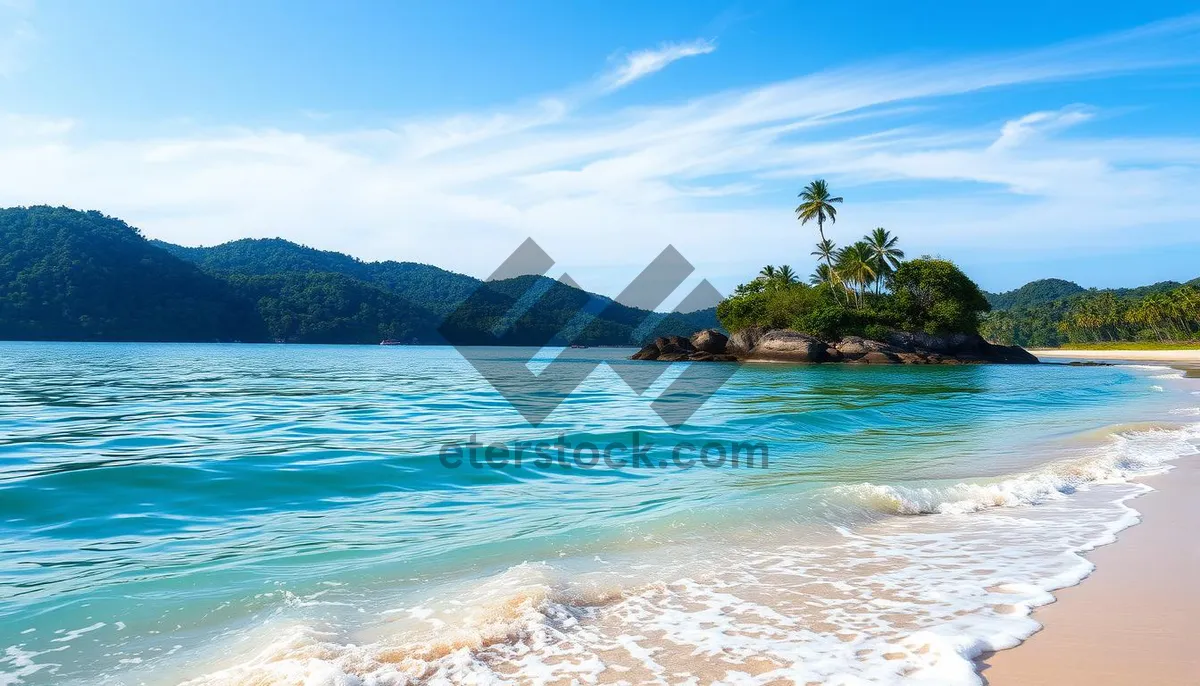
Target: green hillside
(1033,293)
(438,290)
(70,275)
(474,308)
(1164,312)
(83,276)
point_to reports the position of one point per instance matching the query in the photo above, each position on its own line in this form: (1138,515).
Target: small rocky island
(785,345)
(864,304)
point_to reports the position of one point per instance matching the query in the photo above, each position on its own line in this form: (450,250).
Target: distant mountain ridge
(263,256)
(1046,291)
(71,275)
(1034,293)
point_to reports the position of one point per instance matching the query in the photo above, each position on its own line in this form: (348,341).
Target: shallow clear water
(281,514)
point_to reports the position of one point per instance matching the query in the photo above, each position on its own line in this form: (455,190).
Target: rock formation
(900,347)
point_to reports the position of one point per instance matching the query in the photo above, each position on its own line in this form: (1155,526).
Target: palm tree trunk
(828,260)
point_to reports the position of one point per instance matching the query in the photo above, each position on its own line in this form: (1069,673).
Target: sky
(1022,140)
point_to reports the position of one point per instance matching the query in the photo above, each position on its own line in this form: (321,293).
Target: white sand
(1119,355)
(1136,619)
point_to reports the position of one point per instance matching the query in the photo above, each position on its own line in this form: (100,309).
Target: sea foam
(899,600)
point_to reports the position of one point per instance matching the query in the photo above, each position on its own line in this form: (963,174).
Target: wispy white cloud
(643,63)
(1037,124)
(604,191)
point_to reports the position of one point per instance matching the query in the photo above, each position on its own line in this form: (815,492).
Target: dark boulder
(1010,354)
(917,341)
(673,357)
(742,342)
(948,344)
(648,352)
(852,346)
(710,341)
(792,346)
(673,344)
(855,346)
(877,357)
(968,343)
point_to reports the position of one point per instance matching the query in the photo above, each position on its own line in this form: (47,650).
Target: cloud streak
(642,63)
(1034,125)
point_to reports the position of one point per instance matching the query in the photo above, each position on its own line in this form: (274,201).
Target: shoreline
(1133,618)
(1119,355)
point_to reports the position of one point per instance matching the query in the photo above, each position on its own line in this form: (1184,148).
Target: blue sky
(1022,140)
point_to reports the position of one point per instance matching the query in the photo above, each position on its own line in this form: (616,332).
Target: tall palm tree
(767,273)
(854,264)
(785,275)
(817,203)
(886,255)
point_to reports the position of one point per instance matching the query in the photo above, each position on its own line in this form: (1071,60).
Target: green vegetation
(865,288)
(1162,314)
(935,296)
(70,275)
(437,290)
(1041,292)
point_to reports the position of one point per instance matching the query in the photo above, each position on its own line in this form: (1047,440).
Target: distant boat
(579,346)
(391,341)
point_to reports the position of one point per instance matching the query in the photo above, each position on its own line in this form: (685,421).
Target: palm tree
(826,250)
(823,275)
(855,265)
(767,273)
(816,203)
(785,275)
(886,256)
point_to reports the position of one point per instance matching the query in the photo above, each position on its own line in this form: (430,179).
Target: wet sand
(1119,355)
(1136,619)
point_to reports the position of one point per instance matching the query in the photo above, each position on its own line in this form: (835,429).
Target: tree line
(1169,316)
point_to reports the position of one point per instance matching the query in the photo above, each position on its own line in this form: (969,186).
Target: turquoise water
(167,511)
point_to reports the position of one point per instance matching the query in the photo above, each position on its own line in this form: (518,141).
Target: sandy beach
(1119,355)
(1135,619)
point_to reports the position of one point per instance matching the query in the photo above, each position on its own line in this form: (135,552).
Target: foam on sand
(912,593)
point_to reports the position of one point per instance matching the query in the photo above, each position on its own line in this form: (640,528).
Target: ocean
(328,516)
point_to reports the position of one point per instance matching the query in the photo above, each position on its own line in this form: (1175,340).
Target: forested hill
(1046,291)
(70,275)
(1051,312)
(436,289)
(67,275)
(1033,293)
